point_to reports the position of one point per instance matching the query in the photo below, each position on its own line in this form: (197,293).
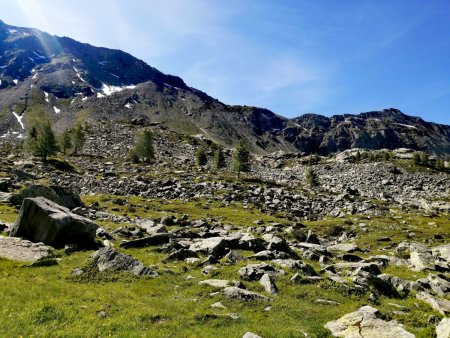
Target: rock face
(366,323)
(113,80)
(109,259)
(41,220)
(18,249)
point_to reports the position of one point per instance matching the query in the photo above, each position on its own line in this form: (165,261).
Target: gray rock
(57,194)
(443,328)
(371,281)
(366,322)
(253,272)
(440,305)
(439,284)
(343,247)
(155,239)
(216,283)
(210,246)
(241,294)
(268,283)
(22,250)
(41,220)
(250,335)
(109,259)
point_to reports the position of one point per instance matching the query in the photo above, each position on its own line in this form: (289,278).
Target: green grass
(43,300)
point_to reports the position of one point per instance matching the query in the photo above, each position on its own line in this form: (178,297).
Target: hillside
(44,76)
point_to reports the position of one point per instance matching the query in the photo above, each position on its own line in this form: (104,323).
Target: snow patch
(16,81)
(406,125)
(46,97)
(84,98)
(12,31)
(57,111)
(39,55)
(108,90)
(19,119)
(128,105)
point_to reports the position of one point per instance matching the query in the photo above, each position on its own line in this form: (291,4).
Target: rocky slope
(44,76)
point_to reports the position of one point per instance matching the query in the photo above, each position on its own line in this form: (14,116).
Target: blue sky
(293,57)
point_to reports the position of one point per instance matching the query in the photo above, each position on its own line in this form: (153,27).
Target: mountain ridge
(45,76)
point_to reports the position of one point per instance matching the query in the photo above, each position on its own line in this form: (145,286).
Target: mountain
(44,76)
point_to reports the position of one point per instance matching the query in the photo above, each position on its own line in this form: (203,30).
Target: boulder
(19,249)
(216,283)
(60,195)
(241,294)
(41,220)
(443,328)
(209,246)
(155,239)
(109,259)
(366,322)
(440,305)
(253,272)
(343,247)
(268,283)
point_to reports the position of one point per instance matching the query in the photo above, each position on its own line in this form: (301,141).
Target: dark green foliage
(241,158)
(424,158)
(311,178)
(143,149)
(78,138)
(42,141)
(385,156)
(200,156)
(219,158)
(358,157)
(65,141)
(416,158)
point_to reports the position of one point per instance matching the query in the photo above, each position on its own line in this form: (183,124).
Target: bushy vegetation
(143,149)
(241,158)
(42,141)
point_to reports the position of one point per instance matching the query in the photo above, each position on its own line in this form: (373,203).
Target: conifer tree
(241,159)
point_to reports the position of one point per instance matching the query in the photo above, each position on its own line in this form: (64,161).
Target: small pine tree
(42,141)
(440,164)
(311,177)
(219,158)
(424,158)
(78,138)
(143,149)
(200,156)
(385,156)
(416,158)
(358,157)
(241,159)
(372,157)
(65,141)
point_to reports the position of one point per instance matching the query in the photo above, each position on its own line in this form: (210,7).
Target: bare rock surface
(41,220)
(364,323)
(19,249)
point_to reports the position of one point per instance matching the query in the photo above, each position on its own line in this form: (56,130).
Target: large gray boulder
(19,249)
(366,322)
(60,195)
(41,220)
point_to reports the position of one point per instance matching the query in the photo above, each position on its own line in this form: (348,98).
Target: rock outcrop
(41,220)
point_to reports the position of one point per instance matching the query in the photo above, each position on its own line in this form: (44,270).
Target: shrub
(42,141)
(143,149)
(241,158)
